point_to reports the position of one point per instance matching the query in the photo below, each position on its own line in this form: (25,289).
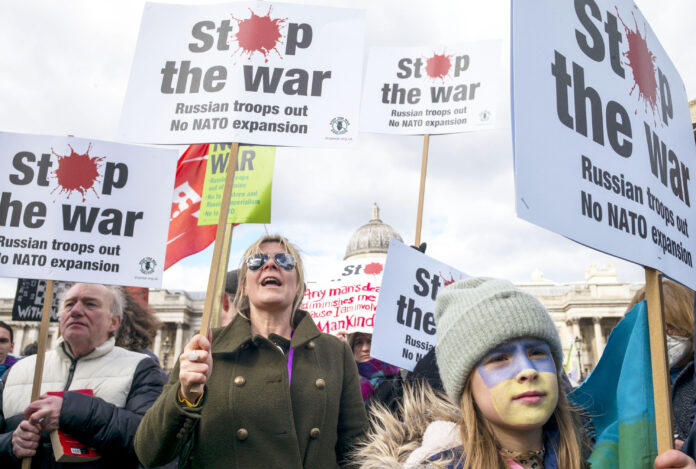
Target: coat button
(320,383)
(239,381)
(314,433)
(310,345)
(242,434)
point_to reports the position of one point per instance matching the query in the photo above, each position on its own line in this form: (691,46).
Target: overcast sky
(65,68)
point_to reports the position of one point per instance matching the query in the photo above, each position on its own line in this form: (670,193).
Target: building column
(32,333)
(178,342)
(18,339)
(577,334)
(599,339)
(157,346)
(54,337)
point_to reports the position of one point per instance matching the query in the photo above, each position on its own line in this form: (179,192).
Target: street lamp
(578,348)
(166,347)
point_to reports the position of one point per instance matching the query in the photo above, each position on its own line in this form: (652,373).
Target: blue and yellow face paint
(520,377)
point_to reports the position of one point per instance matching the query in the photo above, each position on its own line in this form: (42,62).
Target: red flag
(185,236)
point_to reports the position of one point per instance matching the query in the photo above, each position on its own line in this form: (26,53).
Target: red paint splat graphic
(76,172)
(373,268)
(438,66)
(259,34)
(641,60)
(447,282)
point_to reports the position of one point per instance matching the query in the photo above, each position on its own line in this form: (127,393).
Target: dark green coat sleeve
(166,426)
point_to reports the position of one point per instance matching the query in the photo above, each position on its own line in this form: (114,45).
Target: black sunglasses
(282,259)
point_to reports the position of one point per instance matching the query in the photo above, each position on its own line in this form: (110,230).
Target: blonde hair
(482,450)
(678,306)
(241,301)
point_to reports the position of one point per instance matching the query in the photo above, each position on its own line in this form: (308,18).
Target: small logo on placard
(147,265)
(485,115)
(339,125)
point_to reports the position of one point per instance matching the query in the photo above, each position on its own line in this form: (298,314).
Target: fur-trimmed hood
(428,426)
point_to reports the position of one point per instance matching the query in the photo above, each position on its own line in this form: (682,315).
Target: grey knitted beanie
(477,314)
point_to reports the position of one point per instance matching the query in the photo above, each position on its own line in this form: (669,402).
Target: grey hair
(118,301)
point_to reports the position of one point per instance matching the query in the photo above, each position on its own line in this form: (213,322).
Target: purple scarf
(372,373)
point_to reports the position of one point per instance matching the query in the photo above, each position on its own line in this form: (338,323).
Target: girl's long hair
(482,450)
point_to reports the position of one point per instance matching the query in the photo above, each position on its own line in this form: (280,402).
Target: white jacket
(107,370)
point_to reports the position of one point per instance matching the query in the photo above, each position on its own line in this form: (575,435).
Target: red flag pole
(41,351)
(658,358)
(421,193)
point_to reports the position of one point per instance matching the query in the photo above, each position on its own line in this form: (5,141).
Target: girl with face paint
(497,353)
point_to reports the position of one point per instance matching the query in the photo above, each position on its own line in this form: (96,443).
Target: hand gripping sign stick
(421,194)
(658,358)
(41,352)
(220,251)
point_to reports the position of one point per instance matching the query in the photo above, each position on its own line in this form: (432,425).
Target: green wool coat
(250,418)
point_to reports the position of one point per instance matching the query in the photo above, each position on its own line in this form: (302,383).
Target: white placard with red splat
(431,90)
(84,210)
(253,72)
(348,302)
(604,150)
(405,324)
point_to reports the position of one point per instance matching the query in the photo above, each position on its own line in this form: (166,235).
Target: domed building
(371,238)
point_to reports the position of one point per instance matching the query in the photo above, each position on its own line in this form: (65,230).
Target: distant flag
(185,236)
(618,396)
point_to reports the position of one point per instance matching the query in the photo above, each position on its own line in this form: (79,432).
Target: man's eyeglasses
(4,340)
(282,259)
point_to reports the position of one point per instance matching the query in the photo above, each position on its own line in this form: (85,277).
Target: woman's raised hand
(195,366)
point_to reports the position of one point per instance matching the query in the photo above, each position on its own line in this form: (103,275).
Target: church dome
(372,238)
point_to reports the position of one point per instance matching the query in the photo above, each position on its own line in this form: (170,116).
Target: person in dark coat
(678,310)
(268,391)
(138,328)
(372,372)
(6,346)
(229,310)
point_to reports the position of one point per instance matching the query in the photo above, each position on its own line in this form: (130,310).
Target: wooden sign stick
(212,296)
(222,275)
(421,193)
(41,351)
(658,358)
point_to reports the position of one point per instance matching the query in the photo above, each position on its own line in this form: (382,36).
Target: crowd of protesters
(267,389)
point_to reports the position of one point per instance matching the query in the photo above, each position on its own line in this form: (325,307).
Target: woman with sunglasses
(276,391)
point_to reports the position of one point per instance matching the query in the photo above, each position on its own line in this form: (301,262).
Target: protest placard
(29,299)
(84,210)
(347,302)
(431,90)
(251,193)
(602,136)
(404,328)
(252,72)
